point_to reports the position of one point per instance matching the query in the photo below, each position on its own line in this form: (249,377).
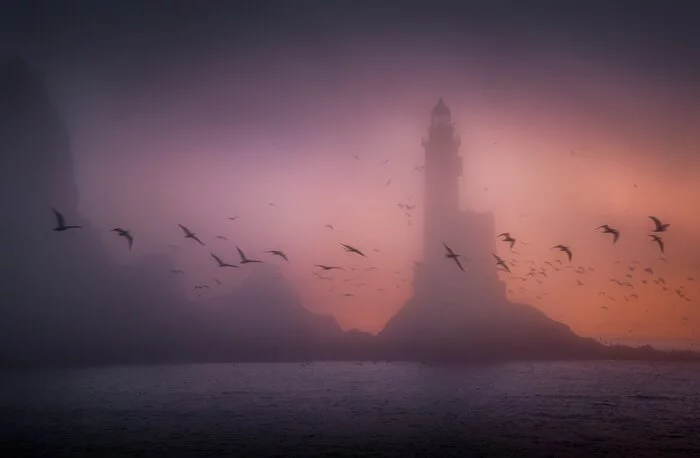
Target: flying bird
(328,267)
(501,262)
(221,237)
(201,287)
(507,238)
(279,253)
(126,234)
(658,240)
(609,230)
(329,226)
(220,262)
(452,255)
(351,249)
(244,259)
(61,222)
(190,235)
(565,249)
(660,227)
(233,218)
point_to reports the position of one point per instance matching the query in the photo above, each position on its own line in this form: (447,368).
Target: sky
(571,116)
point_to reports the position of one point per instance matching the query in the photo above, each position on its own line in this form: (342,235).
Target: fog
(204,114)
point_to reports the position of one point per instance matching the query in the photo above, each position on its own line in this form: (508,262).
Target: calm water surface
(354,409)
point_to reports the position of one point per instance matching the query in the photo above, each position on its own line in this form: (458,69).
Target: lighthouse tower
(443,169)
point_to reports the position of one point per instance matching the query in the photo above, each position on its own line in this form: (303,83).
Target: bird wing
(568,252)
(661,244)
(284,256)
(656,221)
(241,254)
(197,239)
(130,238)
(449,250)
(185,230)
(218,259)
(59,217)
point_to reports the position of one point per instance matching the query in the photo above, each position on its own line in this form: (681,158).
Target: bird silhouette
(507,238)
(220,262)
(660,227)
(61,222)
(501,262)
(351,249)
(279,253)
(126,234)
(233,218)
(323,267)
(329,226)
(244,259)
(452,255)
(609,230)
(201,286)
(190,235)
(565,249)
(659,241)
(221,237)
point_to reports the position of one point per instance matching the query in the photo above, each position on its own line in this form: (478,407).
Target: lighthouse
(443,169)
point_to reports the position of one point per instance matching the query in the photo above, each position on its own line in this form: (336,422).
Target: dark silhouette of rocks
(260,320)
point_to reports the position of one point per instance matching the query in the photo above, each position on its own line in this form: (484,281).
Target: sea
(361,409)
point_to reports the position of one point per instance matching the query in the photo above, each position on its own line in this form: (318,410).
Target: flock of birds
(506,237)
(61,226)
(502,264)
